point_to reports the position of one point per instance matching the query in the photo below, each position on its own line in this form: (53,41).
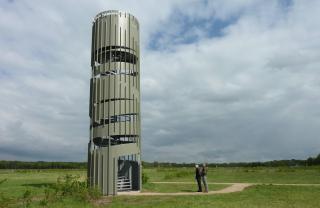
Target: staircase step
(124,183)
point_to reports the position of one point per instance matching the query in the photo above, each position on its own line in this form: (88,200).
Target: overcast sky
(221,81)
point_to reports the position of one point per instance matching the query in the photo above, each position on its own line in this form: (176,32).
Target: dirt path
(275,184)
(234,187)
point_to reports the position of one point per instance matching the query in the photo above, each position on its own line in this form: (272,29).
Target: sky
(221,81)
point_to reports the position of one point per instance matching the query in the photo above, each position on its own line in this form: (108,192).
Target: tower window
(117,56)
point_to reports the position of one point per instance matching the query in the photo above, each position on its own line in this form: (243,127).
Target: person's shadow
(187,190)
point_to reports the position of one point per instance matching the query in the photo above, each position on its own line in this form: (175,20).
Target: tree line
(275,163)
(83,165)
(41,165)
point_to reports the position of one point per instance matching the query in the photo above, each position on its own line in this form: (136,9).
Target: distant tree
(310,161)
(317,160)
(156,164)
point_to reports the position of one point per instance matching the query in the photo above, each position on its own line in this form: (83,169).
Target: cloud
(221,80)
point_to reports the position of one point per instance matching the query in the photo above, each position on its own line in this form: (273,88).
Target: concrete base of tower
(115,169)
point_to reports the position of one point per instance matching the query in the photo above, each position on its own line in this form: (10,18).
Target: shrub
(94,193)
(70,185)
(49,196)
(145,178)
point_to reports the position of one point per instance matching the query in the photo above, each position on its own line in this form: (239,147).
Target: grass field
(28,188)
(291,175)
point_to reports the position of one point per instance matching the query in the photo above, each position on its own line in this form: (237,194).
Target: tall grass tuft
(26,198)
(70,185)
(4,200)
(145,178)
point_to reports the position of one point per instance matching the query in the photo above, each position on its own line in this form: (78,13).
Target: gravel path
(275,184)
(234,187)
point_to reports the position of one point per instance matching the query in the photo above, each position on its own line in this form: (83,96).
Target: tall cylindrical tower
(114,148)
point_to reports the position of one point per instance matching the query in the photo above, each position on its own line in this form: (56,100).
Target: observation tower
(114,149)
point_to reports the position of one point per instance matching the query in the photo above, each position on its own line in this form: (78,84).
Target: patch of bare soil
(102,201)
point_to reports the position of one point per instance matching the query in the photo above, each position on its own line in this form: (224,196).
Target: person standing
(203,172)
(198,178)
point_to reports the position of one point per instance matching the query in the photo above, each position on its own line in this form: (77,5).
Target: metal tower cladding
(114,148)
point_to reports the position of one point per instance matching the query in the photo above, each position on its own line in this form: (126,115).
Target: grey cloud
(242,105)
(249,95)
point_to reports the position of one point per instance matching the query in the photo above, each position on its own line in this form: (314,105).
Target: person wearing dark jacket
(198,178)
(203,173)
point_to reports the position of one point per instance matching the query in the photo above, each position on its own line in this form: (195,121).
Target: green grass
(308,175)
(36,181)
(19,181)
(262,196)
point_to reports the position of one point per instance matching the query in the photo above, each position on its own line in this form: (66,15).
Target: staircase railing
(124,184)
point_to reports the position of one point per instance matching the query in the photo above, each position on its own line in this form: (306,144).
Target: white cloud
(251,94)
